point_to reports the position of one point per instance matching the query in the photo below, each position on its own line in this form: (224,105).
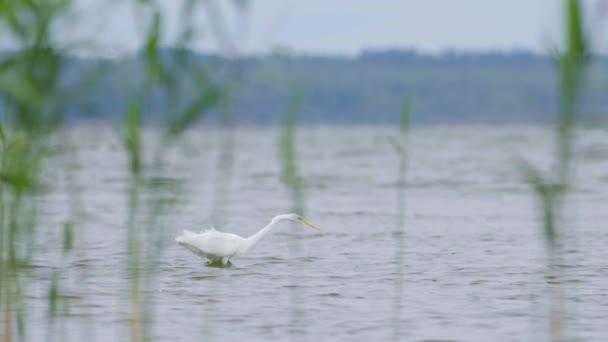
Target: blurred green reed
(293,181)
(400,144)
(225,161)
(35,100)
(288,153)
(133,146)
(551,189)
(145,238)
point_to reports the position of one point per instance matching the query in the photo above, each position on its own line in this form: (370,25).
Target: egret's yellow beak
(309,224)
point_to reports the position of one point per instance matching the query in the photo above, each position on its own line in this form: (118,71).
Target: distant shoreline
(451,88)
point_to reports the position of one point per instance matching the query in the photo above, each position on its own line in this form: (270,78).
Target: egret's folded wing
(212,243)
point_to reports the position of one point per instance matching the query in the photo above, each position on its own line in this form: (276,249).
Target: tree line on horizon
(451,88)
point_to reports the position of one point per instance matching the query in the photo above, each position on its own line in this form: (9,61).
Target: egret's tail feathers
(187,233)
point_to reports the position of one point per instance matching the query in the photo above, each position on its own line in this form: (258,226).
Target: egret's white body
(218,246)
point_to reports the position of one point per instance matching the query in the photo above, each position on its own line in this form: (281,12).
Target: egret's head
(300,219)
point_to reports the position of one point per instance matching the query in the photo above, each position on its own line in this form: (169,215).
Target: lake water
(474,265)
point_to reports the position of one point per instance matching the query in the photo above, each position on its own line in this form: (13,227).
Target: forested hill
(371,88)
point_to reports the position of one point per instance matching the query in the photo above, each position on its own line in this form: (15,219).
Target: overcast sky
(342,26)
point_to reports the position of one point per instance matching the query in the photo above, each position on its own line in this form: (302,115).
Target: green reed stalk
(225,162)
(35,97)
(293,182)
(19,173)
(571,70)
(552,189)
(133,145)
(290,175)
(399,235)
(145,240)
(30,89)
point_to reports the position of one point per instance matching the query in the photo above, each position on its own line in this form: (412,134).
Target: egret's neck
(253,239)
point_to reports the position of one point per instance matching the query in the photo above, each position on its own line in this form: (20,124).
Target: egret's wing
(211,243)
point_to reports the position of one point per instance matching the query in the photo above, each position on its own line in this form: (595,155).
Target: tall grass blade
(400,145)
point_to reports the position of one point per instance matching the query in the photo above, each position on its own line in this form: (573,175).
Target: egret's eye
(300,218)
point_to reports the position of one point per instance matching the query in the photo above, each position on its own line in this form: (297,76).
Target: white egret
(221,247)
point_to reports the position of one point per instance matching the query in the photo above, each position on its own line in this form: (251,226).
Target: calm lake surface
(474,259)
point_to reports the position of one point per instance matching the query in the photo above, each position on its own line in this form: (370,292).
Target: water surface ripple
(474,257)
